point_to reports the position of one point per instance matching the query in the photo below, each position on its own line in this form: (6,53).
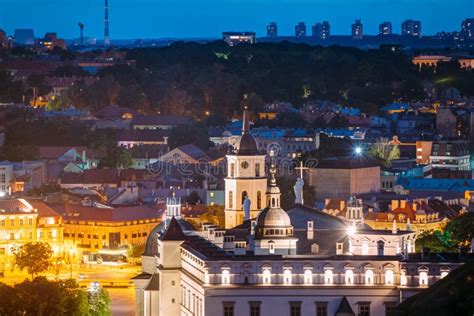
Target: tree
(99,302)
(437,241)
(462,229)
(383,152)
(193,198)
(11,303)
(116,157)
(189,134)
(35,257)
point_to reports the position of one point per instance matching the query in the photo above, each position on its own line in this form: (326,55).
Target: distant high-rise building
(24,36)
(300,30)
(106,24)
(321,30)
(272,29)
(385,28)
(357,30)
(411,28)
(467,28)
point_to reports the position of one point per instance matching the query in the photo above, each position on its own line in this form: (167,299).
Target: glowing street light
(358,150)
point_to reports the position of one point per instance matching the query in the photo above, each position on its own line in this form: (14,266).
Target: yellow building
(106,233)
(23,221)
(417,215)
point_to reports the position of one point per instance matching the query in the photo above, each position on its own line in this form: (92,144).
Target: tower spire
(106,24)
(246,123)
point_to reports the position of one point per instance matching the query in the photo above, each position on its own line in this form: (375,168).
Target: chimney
(403,203)
(394,204)
(310,230)
(343,204)
(253,223)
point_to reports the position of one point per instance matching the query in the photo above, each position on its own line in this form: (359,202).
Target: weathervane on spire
(246,122)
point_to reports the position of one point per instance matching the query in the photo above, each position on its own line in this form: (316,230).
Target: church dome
(273,217)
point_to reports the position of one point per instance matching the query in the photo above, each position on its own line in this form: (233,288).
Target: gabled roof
(173,232)
(154,283)
(54,152)
(344,308)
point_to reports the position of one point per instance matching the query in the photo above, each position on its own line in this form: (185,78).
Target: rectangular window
(295,308)
(228,308)
(389,308)
(257,170)
(12,222)
(321,308)
(254,308)
(364,309)
(232,170)
(30,222)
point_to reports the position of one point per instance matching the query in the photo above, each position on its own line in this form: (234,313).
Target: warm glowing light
(358,150)
(351,230)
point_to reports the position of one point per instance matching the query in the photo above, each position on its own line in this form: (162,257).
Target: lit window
(369,277)
(365,248)
(444,273)
(349,277)
(423,278)
(225,277)
(287,276)
(266,276)
(403,278)
(389,277)
(328,277)
(308,277)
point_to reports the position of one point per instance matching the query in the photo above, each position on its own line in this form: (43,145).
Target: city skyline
(146,19)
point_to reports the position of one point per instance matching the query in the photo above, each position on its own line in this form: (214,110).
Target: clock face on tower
(244,164)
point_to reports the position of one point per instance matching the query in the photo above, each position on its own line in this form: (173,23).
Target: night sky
(130,19)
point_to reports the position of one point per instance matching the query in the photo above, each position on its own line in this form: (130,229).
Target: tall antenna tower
(106,24)
(81,27)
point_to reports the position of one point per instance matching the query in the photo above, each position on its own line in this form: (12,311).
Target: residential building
(411,28)
(344,177)
(321,30)
(357,30)
(385,28)
(143,137)
(453,155)
(20,177)
(300,30)
(189,154)
(429,60)
(23,221)
(272,29)
(235,38)
(162,122)
(467,28)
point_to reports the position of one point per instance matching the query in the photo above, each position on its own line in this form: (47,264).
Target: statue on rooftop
(298,188)
(246,207)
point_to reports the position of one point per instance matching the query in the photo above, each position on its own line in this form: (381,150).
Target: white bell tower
(245,177)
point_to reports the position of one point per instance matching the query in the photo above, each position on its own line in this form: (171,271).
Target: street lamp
(358,151)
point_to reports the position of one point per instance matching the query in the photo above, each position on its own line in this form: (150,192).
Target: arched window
(349,277)
(365,248)
(271,247)
(380,248)
(257,170)
(328,277)
(314,248)
(308,276)
(287,276)
(232,170)
(369,277)
(266,276)
(423,278)
(259,200)
(273,202)
(389,277)
(225,277)
(231,199)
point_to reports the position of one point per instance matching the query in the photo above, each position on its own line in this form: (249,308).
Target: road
(122,298)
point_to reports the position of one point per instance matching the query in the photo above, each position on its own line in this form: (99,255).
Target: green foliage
(43,297)
(189,134)
(136,250)
(34,257)
(116,157)
(383,152)
(99,302)
(193,198)
(10,91)
(457,233)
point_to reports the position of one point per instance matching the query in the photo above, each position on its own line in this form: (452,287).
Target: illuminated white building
(296,262)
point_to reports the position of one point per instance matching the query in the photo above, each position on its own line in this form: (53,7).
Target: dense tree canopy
(34,257)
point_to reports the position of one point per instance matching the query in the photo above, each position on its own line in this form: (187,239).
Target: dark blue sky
(208,18)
